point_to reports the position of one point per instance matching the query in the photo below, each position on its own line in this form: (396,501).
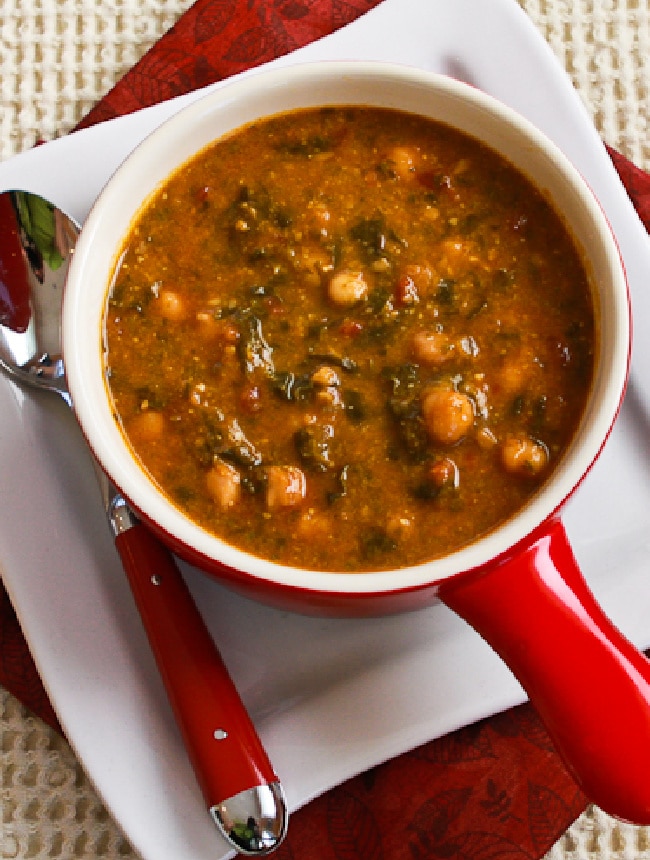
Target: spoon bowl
(33,269)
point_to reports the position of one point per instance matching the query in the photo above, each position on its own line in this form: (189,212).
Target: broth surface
(349,339)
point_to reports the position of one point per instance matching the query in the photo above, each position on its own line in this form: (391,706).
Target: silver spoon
(244,796)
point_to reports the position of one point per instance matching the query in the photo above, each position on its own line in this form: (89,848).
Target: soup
(349,339)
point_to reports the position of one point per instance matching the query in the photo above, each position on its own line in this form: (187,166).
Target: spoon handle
(224,748)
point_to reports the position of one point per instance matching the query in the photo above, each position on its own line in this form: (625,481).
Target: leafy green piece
(373,237)
(342,361)
(291,386)
(254,351)
(306,147)
(376,542)
(402,378)
(313,446)
(445,292)
(355,407)
(425,490)
(218,437)
(404,407)
(342,477)
(518,405)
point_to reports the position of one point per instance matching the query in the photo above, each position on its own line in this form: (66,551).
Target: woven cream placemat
(57,59)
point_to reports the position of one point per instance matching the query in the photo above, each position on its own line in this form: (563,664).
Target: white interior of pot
(326,84)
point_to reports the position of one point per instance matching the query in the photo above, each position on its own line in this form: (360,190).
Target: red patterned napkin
(492,791)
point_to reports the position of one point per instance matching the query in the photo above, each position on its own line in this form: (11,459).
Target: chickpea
(448,415)
(223,483)
(223,332)
(147,426)
(325,375)
(347,288)
(486,438)
(399,527)
(403,160)
(285,486)
(457,256)
(170,306)
(328,382)
(432,348)
(330,396)
(522,455)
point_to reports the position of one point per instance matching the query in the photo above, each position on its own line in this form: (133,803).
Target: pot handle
(589,684)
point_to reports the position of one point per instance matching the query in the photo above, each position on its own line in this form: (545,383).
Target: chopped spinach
(469,224)
(404,407)
(375,542)
(153,396)
(306,147)
(402,377)
(341,477)
(254,351)
(518,404)
(538,417)
(502,279)
(370,234)
(386,169)
(342,361)
(313,446)
(378,300)
(291,386)
(373,237)
(216,436)
(445,292)
(184,494)
(238,448)
(316,329)
(355,407)
(425,490)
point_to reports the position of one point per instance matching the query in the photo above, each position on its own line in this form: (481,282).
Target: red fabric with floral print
(492,791)
(219,38)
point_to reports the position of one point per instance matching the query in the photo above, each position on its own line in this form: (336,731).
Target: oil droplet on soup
(349,339)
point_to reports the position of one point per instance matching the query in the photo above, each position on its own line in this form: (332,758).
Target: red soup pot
(520,586)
